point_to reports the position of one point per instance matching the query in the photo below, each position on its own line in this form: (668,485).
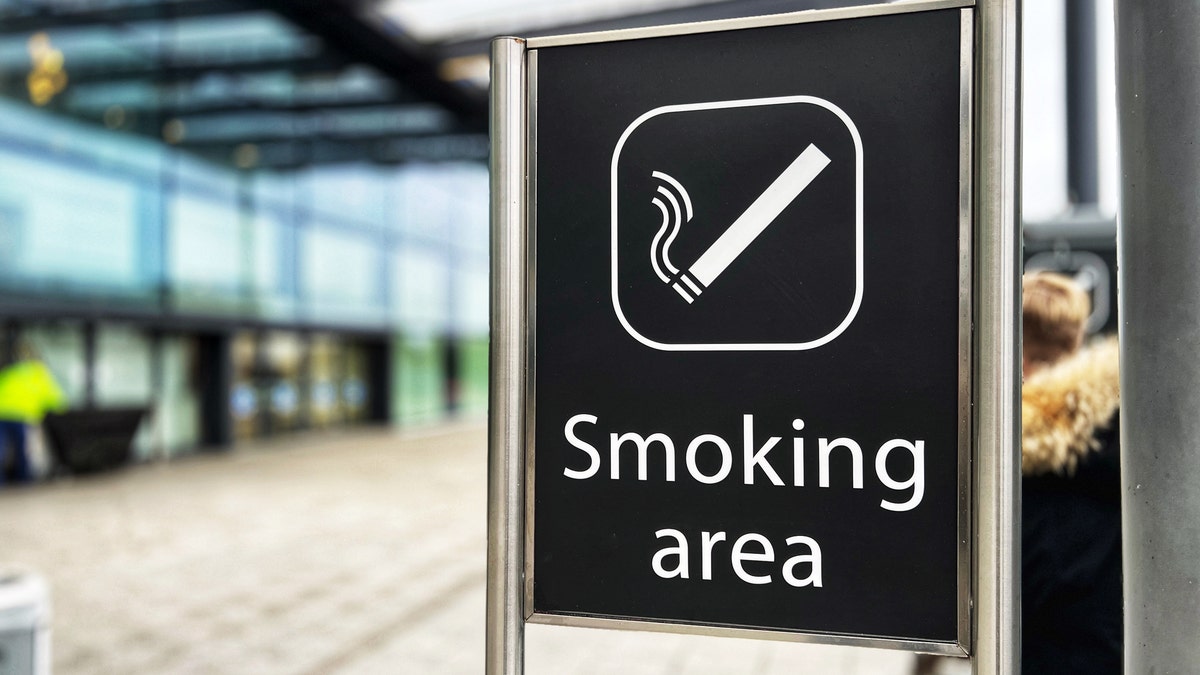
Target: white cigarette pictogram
(755,219)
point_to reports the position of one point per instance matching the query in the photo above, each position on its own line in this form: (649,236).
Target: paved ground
(328,554)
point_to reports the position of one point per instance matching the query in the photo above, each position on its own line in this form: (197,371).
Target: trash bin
(93,439)
(24,623)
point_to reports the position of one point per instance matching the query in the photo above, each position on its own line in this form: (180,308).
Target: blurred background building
(252,217)
(244,218)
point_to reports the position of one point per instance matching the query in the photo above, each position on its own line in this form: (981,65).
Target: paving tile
(347,553)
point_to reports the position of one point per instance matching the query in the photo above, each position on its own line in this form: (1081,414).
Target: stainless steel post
(1158,245)
(997,473)
(505,633)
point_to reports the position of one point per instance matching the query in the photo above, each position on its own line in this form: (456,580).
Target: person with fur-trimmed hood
(1071,487)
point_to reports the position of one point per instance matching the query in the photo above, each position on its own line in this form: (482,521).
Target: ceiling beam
(176,71)
(348,27)
(264,106)
(44,18)
(364,139)
(150,121)
(290,155)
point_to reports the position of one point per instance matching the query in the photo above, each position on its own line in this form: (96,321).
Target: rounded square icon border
(858,226)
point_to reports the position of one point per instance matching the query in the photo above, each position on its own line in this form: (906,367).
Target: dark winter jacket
(1071,522)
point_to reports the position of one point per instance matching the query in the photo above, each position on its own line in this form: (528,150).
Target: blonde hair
(1054,314)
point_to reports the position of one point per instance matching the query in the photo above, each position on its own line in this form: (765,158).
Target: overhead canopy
(289,83)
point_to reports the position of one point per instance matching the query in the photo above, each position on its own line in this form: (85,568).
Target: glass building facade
(215,216)
(255,217)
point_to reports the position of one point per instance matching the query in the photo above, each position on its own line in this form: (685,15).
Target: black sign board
(750,297)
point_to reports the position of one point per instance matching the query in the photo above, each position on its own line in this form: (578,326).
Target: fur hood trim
(1064,405)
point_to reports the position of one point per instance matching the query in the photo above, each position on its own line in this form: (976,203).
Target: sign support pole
(505,641)
(1158,94)
(995,287)
(997,586)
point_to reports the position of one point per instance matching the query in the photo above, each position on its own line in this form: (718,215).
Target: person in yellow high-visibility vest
(27,392)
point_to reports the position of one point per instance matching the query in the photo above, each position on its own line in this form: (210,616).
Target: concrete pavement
(349,553)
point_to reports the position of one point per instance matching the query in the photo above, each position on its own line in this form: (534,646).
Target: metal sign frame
(988,388)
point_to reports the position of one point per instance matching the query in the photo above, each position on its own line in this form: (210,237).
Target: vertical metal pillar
(215,371)
(89,364)
(379,379)
(506,425)
(452,372)
(158,395)
(10,333)
(1083,136)
(1158,246)
(997,608)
